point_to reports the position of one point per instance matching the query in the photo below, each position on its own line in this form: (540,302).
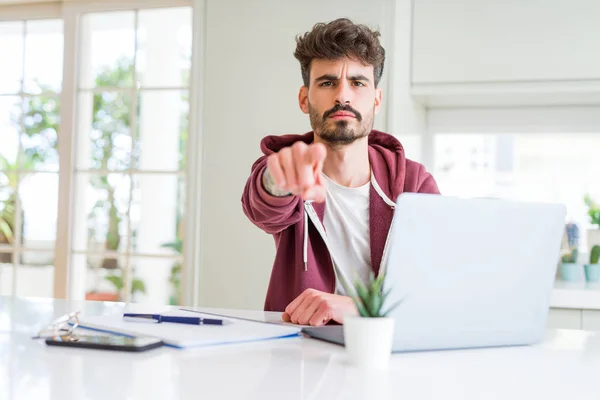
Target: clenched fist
(297,170)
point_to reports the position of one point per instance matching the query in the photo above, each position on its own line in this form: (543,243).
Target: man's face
(341,100)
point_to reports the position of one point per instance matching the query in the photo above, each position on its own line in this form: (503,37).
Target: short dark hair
(338,39)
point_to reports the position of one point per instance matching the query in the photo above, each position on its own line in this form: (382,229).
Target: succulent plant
(369,298)
(571,256)
(595,255)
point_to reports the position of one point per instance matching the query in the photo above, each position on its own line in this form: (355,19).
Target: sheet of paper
(184,335)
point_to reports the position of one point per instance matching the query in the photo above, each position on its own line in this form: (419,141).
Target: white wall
(506,40)
(251,85)
(407,119)
(539,120)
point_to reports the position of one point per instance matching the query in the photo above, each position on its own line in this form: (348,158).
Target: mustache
(340,107)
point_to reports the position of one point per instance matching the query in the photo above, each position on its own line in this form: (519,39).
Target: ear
(378,99)
(303,99)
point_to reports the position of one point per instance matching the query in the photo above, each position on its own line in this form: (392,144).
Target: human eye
(358,84)
(326,84)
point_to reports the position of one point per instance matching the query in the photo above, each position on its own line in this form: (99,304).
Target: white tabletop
(577,295)
(565,366)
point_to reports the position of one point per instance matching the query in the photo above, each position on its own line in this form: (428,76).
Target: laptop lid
(472,272)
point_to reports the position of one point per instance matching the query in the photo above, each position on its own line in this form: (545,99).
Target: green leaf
(359,305)
(386,294)
(375,306)
(362,291)
(357,302)
(138,286)
(390,309)
(176,246)
(6,230)
(378,284)
(593,210)
(369,297)
(117,281)
(371,277)
(362,310)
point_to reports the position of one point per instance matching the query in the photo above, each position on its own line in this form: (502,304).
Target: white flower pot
(369,341)
(593,238)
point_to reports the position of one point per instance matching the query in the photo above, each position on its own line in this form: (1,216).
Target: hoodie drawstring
(305,243)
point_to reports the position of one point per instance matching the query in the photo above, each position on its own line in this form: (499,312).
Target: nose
(343,94)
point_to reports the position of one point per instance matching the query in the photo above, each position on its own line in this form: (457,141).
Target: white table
(565,366)
(576,295)
(575,305)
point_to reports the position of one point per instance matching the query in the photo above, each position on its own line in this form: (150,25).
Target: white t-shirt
(346,222)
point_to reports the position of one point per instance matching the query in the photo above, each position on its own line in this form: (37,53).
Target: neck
(348,165)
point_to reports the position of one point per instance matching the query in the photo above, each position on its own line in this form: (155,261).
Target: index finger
(315,155)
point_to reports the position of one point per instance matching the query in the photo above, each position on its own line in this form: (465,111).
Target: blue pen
(157,318)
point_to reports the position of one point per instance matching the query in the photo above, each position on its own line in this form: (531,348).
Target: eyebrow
(329,77)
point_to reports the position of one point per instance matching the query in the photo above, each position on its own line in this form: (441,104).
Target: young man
(327,196)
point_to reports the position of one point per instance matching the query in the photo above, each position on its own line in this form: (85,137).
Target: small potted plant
(369,336)
(137,286)
(592,270)
(570,270)
(593,235)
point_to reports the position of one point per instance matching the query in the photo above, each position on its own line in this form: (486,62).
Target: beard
(343,132)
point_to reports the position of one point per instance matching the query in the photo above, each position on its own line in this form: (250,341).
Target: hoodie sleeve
(269,213)
(418,180)
(426,183)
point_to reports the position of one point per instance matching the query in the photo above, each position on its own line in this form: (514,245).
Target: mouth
(342,115)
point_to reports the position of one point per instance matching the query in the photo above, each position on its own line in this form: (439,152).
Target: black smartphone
(120,343)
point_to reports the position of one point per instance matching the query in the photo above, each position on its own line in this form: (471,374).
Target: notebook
(184,336)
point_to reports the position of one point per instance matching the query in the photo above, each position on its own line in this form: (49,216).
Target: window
(132,112)
(120,215)
(30,86)
(552,167)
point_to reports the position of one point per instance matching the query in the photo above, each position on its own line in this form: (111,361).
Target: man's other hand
(317,308)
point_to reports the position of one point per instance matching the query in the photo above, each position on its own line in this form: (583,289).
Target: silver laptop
(471,272)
